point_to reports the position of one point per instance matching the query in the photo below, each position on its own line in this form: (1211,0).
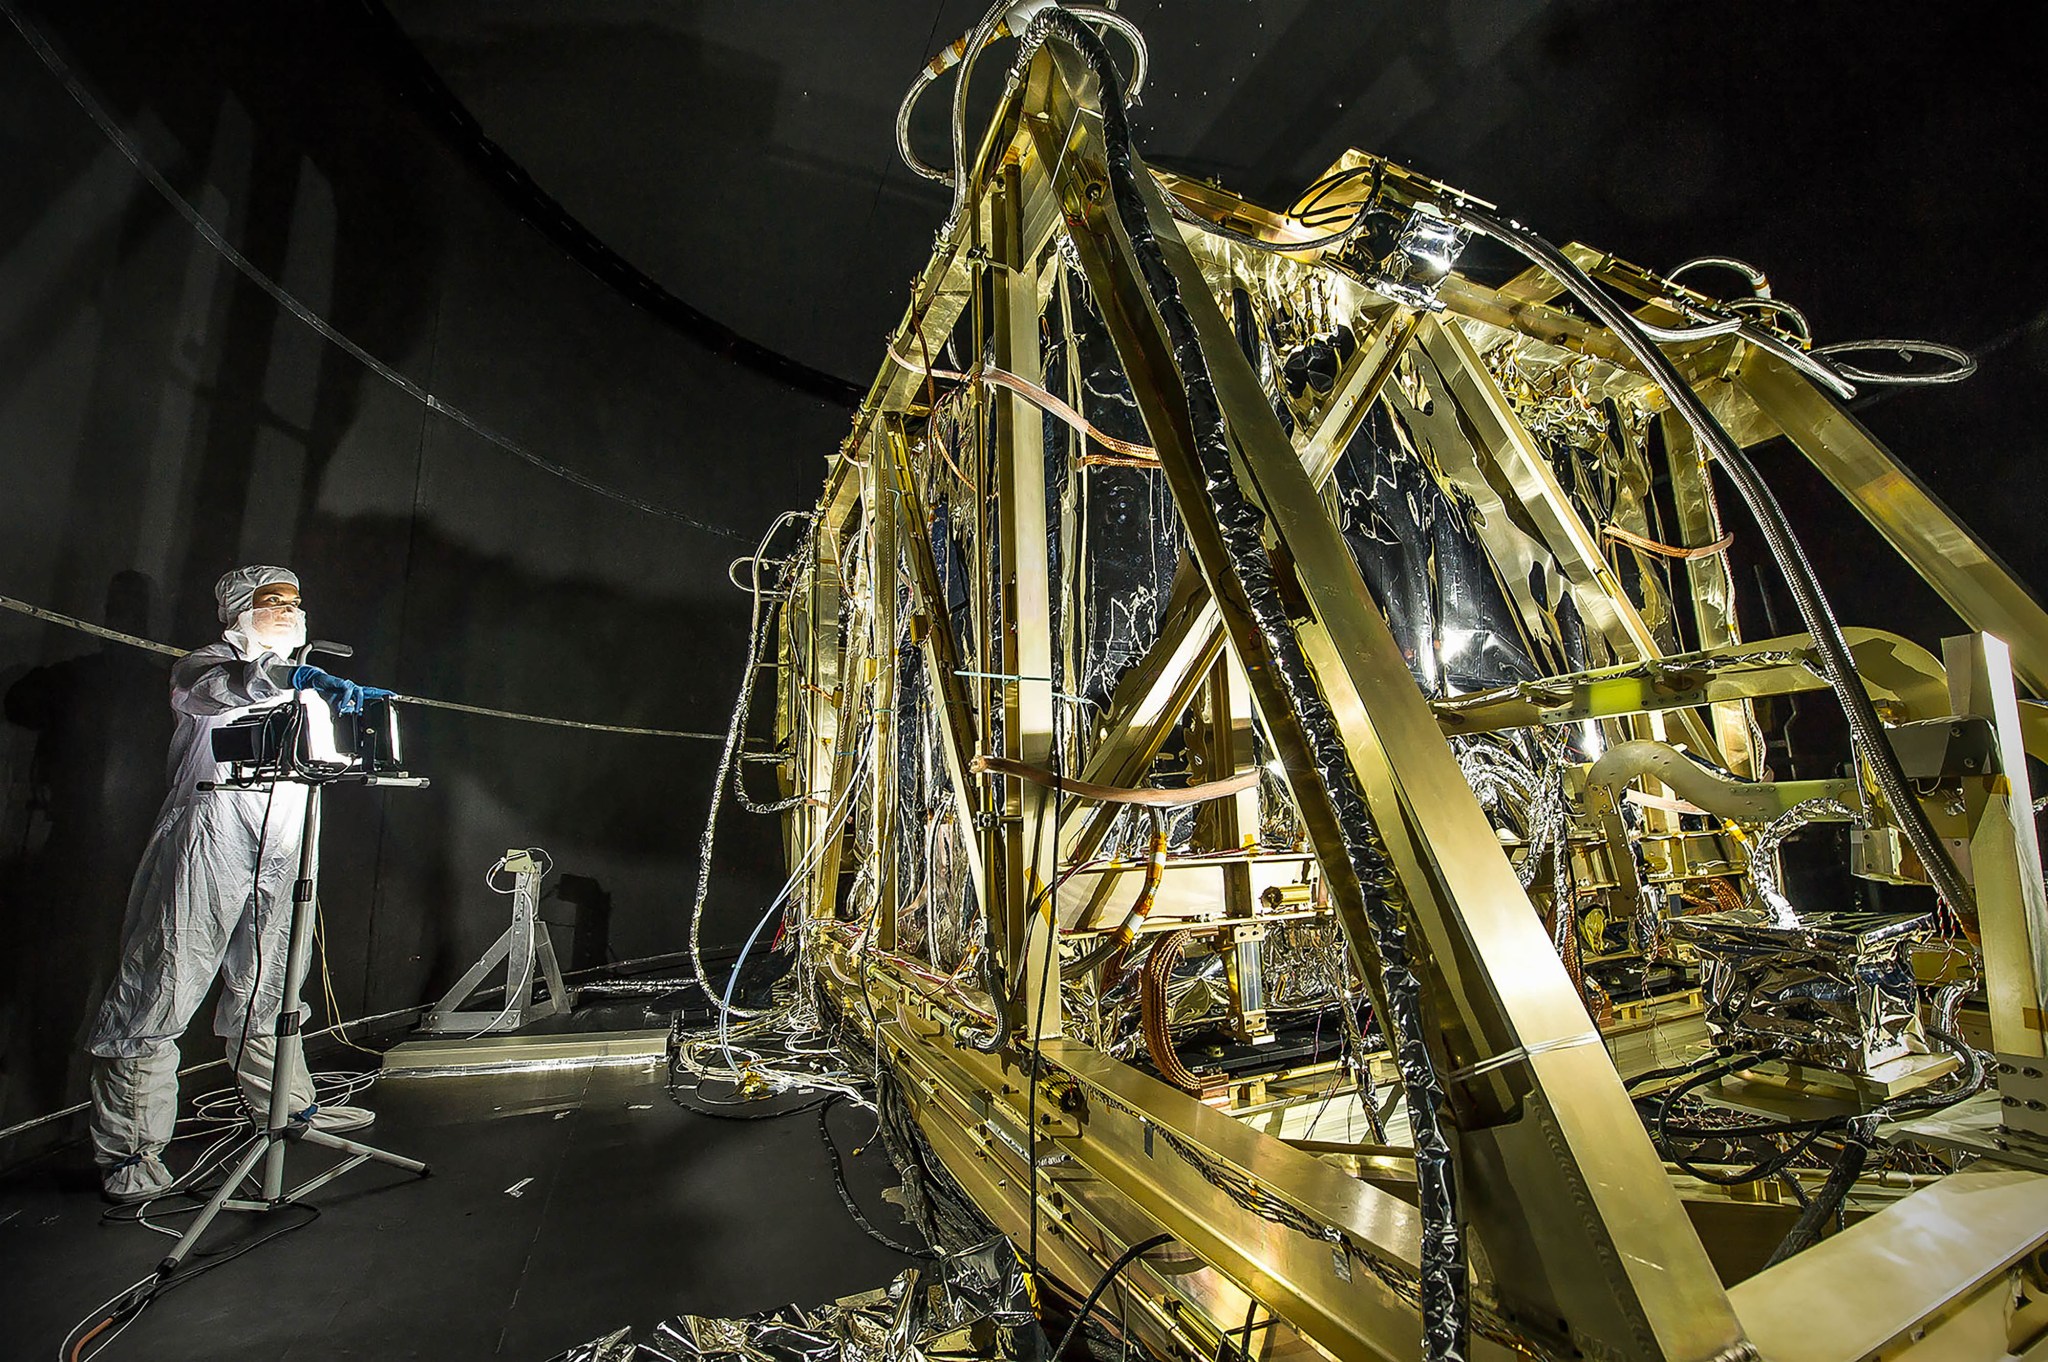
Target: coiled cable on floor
(121,1309)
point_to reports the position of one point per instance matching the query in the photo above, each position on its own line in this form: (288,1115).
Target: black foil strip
(1132,531)
(1425,567)
(1258,348)
(915,797)
(1445,1312)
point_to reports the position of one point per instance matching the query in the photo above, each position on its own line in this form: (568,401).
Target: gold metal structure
(987,930)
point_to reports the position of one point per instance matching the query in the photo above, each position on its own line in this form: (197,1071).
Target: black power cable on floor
(125,1307)
(846,1194)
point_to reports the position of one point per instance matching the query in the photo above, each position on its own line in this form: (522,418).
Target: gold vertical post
(882,577)
(2003,858)
(1032,815)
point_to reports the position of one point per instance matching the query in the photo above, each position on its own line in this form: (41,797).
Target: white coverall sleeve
(202,684)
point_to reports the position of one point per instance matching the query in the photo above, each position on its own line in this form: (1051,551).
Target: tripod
(280,1130)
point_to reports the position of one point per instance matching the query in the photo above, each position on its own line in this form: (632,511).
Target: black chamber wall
(160,415)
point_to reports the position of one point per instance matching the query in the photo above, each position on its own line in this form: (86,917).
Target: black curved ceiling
(741,153)
(1880,160)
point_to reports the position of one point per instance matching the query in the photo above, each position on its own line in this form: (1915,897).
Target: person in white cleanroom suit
(213,895)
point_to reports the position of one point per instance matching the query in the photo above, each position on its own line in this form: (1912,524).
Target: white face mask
(281,630)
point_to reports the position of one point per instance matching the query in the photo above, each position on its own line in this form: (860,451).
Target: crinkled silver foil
(1831,989)
(967,1305)
(1421,558)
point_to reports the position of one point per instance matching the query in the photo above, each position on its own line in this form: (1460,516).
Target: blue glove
(346,696)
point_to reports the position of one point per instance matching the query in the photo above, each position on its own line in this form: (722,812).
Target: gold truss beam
(1938,546)
(1554,1166)
(1158,689)
(1579,1229)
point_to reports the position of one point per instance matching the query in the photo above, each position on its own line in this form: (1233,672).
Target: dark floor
(636,1210)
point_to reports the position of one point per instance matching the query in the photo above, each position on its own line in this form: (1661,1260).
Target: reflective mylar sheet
(1834,989)
(966,1305)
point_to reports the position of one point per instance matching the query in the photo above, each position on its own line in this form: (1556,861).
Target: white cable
(1678,335)
(497,866)
(97,1313)
(1005,16)
(1759,284)
(1809,363)
(724,768)
(1965,363)
(833,820)
(1765,308)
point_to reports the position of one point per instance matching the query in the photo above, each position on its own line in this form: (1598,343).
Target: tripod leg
(364,1151)
(358,1155)
(285,1066)
(551,970)
(257,1148)
(452,1000)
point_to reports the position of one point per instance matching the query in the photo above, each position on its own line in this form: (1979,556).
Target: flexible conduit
(1814,611)
(1444,1285)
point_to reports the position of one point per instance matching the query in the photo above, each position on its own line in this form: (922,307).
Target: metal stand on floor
(281,1130)
(524,948)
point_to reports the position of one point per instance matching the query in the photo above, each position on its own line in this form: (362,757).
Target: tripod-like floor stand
(282,1131)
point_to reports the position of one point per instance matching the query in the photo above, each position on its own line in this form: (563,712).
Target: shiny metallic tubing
(1002,19)
(1814,610)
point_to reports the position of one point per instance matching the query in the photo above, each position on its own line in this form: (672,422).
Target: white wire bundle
(225,1106)
(804,1057)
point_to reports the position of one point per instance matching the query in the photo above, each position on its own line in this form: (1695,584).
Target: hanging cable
(1005,18)
(723,773)
(164,649)
(853,1209)
(1815,613)
(711,814)
(1759,283)
(1155,1019)
(1962,362)
(788,573)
